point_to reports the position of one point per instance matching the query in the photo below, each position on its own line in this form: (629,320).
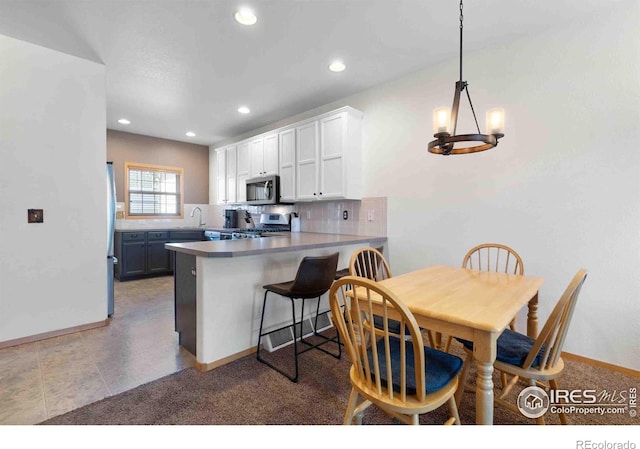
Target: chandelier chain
(461,19)
(446,139)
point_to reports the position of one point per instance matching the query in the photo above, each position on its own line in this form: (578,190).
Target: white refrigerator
(111,226)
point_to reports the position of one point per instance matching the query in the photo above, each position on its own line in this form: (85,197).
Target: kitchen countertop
(274,243)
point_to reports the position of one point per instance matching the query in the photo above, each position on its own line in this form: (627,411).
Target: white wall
(52,157)
(561,188)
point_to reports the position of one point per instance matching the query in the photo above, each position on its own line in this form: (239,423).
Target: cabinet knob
(314,193)
(320,193)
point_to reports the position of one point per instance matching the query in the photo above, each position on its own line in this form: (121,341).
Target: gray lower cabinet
(130,250)
(184,279)
(158,258)
(142,253)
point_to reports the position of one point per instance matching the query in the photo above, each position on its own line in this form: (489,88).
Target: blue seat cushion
(394,326)
(441,367)
(513,348)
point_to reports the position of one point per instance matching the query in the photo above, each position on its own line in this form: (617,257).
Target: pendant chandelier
(445,123)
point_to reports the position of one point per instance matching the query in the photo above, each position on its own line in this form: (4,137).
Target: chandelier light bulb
(495,121)
(441,120)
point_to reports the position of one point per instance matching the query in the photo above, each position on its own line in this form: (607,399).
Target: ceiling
(175,65)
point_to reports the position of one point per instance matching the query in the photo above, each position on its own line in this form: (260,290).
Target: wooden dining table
(470,304)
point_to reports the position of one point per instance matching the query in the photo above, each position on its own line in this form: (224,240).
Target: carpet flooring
(250,393)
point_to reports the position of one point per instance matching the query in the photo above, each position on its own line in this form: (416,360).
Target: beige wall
(194,159)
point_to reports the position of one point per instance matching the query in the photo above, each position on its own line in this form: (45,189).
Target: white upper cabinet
(287,170)
(243,171)
(271,154)
(221,176)
(317,159)
(330,157)
(264,155)
(231,156)
(307,161)
(227,162)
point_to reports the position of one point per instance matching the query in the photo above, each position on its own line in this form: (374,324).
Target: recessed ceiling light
(244,110)
(190,134)
(337,66)
(246,16)
(124,121)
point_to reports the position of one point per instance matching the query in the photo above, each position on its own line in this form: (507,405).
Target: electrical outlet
(308,215)
(370,215)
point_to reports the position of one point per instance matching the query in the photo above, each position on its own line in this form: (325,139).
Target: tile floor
(43,379)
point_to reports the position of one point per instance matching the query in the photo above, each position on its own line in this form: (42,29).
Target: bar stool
(314,278)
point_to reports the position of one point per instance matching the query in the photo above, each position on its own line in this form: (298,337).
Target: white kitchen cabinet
(226,167)
(329,157)
(340,160)
(221,176)
(243,171)
(317,159)
(231,156)
(264,155)
(307,161)
(287,169)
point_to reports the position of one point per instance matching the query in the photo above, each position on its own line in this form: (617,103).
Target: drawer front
(132,236)
(187,235)
(158,235)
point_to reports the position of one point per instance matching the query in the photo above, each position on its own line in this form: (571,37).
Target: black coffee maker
(230,218)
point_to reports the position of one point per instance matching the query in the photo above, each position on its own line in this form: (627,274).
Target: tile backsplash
(166,223)
(365,217)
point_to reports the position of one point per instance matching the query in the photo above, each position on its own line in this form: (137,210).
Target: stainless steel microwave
(265,190)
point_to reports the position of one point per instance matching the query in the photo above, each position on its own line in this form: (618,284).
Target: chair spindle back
(362,298)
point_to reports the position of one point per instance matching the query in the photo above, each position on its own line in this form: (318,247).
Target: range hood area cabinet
(317,159)
(264,156)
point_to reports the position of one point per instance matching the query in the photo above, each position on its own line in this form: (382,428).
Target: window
(153,191)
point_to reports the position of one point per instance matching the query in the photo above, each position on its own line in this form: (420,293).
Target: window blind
(154,192)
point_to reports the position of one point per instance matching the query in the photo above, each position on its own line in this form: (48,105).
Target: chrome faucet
(193,212)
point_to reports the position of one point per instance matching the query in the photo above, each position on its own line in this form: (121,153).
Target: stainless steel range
(268,223)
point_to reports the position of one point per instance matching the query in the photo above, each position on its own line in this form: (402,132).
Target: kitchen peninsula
(218,288)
